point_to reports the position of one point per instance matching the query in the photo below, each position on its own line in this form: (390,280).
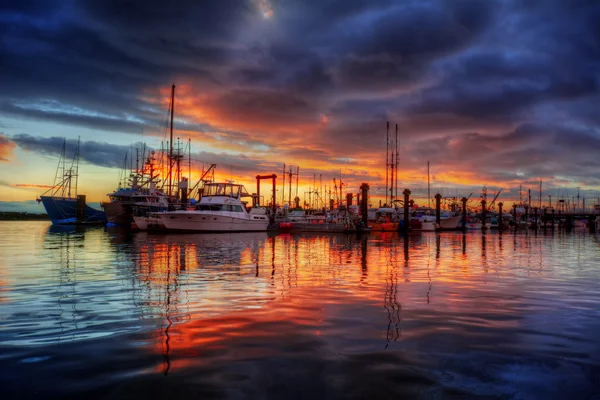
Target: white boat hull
(451,223)
(192,221)
(148,223)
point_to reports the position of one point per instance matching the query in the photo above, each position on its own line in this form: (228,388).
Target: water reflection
(225,314)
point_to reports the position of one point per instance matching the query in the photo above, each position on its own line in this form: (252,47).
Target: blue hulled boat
(63,208)
(71,211)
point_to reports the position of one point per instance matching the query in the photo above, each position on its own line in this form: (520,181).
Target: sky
(492,93)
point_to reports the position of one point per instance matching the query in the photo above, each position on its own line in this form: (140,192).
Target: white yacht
(220,209)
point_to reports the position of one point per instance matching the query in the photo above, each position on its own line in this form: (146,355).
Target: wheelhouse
(224,189)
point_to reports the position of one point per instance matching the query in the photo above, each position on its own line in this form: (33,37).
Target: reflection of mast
(394,309)
(171,140)
(168,317)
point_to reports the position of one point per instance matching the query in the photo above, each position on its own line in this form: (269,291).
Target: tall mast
(283,188)
(540,193)
(397,158)
(297,178)
(171,140)
(428,187)
(77,164)
(63,156)
(387,145)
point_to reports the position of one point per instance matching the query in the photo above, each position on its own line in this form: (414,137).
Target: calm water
(96,313)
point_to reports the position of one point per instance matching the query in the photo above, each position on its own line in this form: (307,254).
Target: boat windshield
(224,189)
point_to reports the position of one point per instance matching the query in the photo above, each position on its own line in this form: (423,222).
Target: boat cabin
(224,189)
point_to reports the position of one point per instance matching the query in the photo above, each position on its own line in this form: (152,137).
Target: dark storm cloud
(89,121)
(461,73)
(93,152)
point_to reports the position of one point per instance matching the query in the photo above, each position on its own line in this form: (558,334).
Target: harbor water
(100,313)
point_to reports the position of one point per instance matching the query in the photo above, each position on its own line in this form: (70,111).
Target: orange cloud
(6,148)
(32,185)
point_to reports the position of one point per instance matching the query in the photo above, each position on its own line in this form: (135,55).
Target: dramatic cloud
(497,92)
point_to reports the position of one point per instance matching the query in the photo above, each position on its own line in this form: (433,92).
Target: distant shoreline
(22,216)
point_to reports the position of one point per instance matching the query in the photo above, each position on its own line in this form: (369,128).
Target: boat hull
(116,213)
(451,223)
(385,226)
(63,211)
(149,223)
(201,222)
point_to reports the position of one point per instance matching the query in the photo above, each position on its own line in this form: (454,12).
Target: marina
(263,199)
(99,312)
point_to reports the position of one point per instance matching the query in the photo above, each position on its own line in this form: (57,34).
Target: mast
(397,159)
(540,193)
(387,145)
(520,194)
(77,164)
(171,140)
(63,156)
(341,185)
(283,188)
(428,187)
(297,178)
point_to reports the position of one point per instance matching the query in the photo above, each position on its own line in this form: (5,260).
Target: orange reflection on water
(251,287)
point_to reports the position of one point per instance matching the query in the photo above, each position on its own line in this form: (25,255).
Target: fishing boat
(140,199)
(220,209)
(387,219)
(62,203)
(339,220)
(450,223)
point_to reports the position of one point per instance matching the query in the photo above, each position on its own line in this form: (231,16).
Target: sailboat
(62,203)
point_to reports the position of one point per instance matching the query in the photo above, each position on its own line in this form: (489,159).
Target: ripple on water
(99,312)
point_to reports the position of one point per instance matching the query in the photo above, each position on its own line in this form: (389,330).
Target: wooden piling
(500,224)
(364,197)
(438,217)
(464,213)
(406,194)
(483,203)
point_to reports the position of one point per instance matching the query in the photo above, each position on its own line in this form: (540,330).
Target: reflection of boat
(220,210)
(63,208)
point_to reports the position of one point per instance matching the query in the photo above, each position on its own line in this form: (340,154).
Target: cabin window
(209,207)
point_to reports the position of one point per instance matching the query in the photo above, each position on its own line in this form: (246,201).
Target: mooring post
(500,222)
(526,215)
(406,194)
(438,216)
(545,217)
(483,202)
(364,197)
(464,213)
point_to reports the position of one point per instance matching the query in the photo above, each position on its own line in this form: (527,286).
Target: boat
(387,219)
(450,223)
(62,203)
(220,209)
(340,220)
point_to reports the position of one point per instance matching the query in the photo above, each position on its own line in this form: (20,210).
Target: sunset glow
(261,84)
